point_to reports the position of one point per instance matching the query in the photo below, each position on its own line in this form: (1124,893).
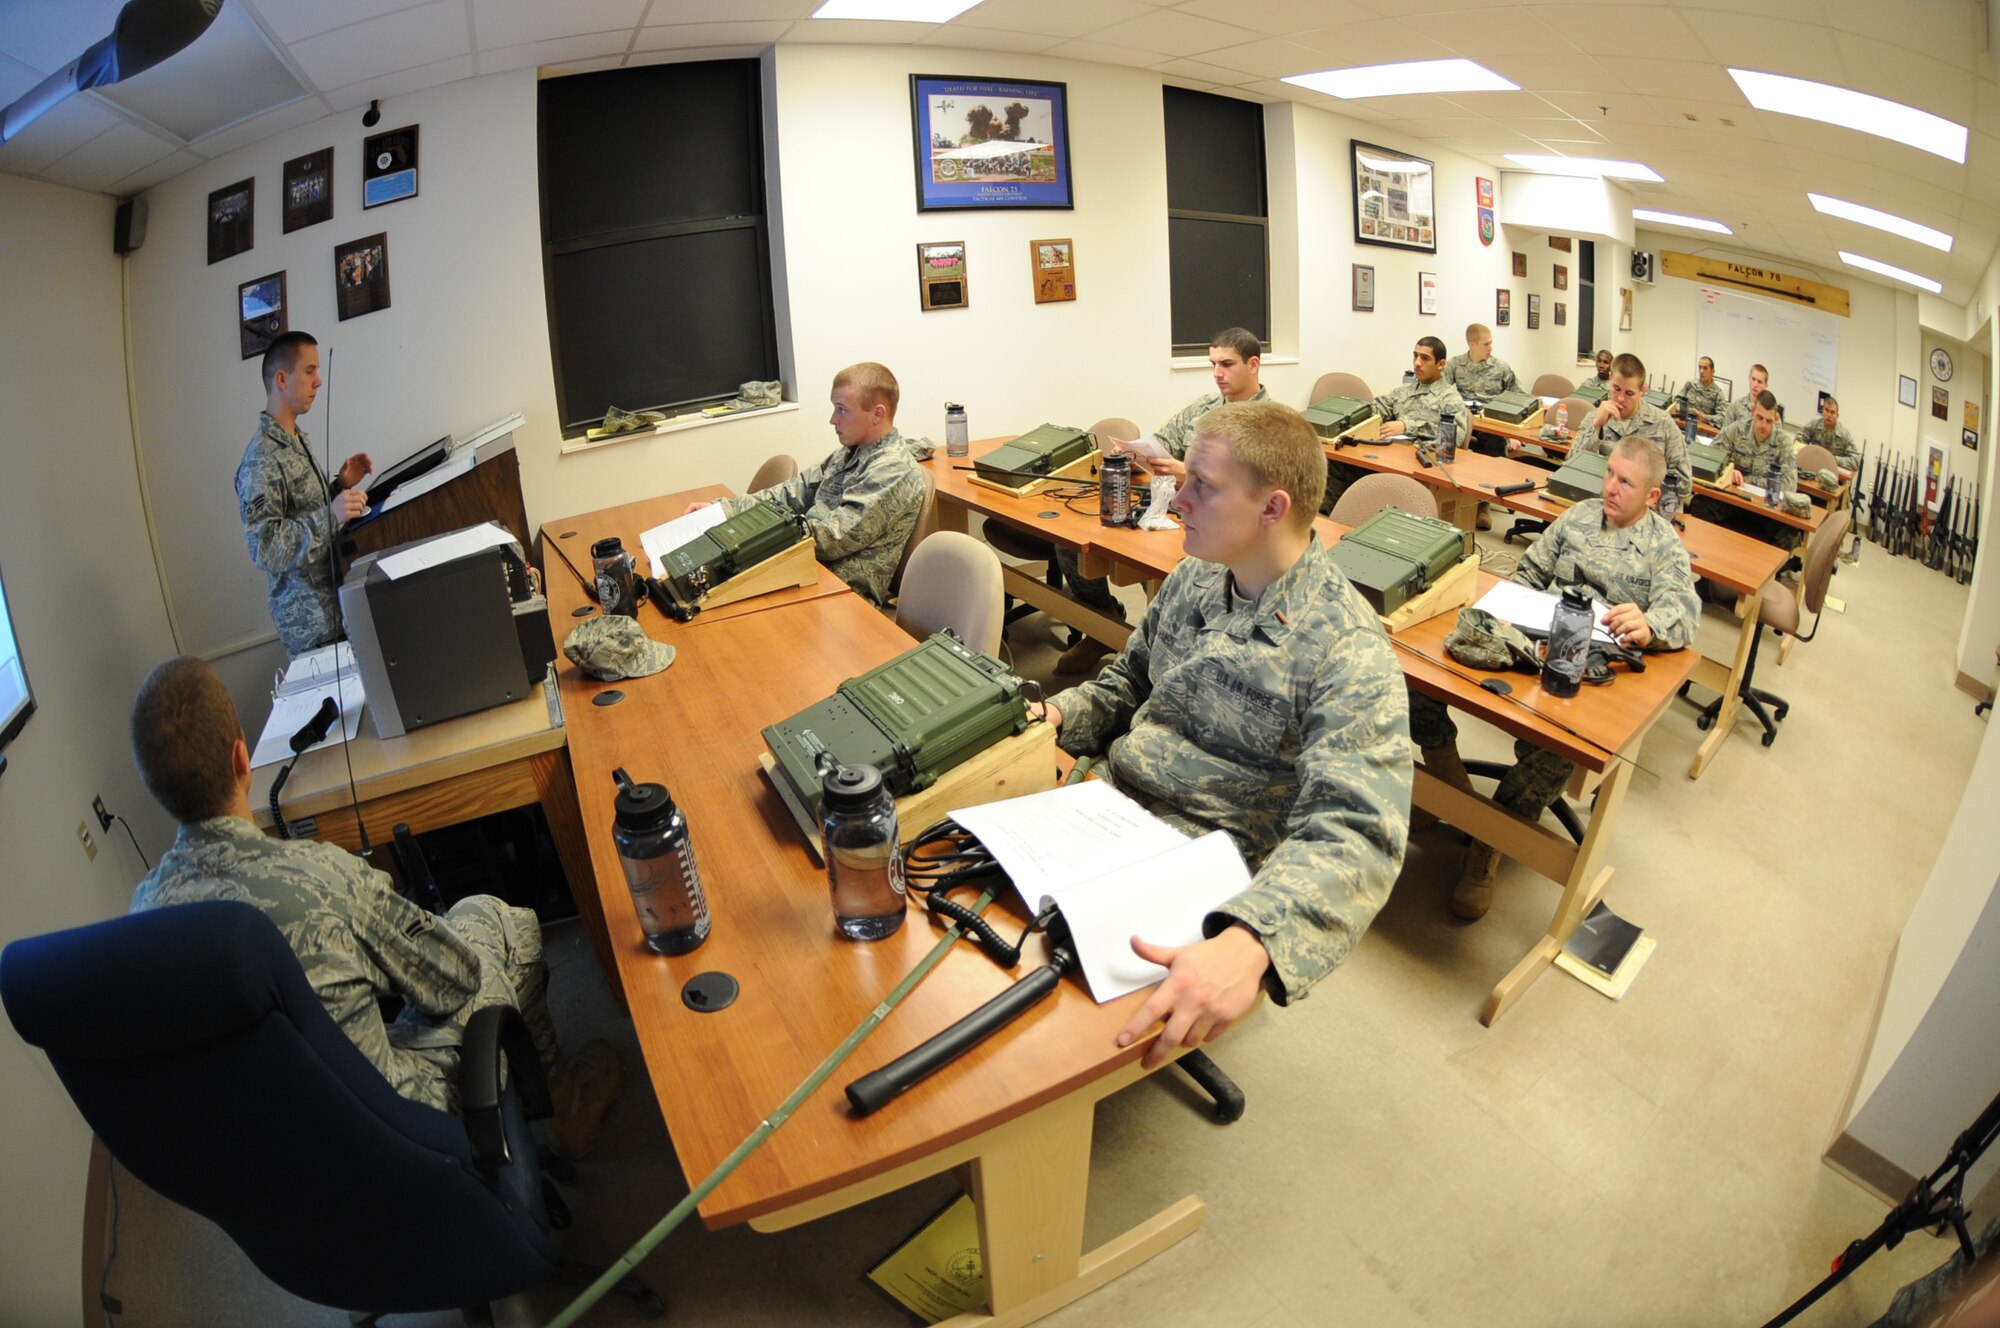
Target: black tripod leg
(1219,1086)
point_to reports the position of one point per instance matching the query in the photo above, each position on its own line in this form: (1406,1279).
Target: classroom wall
(87,606)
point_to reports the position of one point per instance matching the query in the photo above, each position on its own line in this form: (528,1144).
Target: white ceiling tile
(709,34)
(1578,76)
(498,23)
(229,75)
(1497,30)
(1275,18)
(261,127)
(616,62)
(719,11)
(45,35)
(408,39)
(166,168)
(111,156)
(1056,18)
(563,51)
(1175,33)
(1640,33)
(295,20)
(401,83)
(679,56)
(954,37)
(1380,42)
(1689,80)
(1952,32)
(1882,69)
(1109,55)
(1199,69)
(1271,58)
(855,31)
(61,130)
(1174,80)
(1776,45)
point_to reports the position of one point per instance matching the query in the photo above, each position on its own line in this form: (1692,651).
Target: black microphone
(1504,490)
(316,728)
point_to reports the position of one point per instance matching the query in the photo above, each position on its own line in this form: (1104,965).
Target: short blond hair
(1477,332)
(1277,447)
(1634,447)
(873,385)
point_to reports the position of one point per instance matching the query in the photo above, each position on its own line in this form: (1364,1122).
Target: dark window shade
(655,252)
(1215,154)
(1586,299)
(1218,279)
(1586,260)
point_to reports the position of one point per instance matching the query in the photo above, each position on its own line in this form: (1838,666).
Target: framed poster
(1933,474)
(361,276)
(1971,414)
(1427,292)
(990,143)
(1562,314)
(1562,277)
(1364,288)
(1624,308)
(1940,403)
(1534,311)
(1503,307)
(261,313)
(389,167)
(1520,265)
(1395,198)
(231,213)
(1053,263)
(1906,390)
(1969,437)
(941,280)
(1559,242)
(307,193)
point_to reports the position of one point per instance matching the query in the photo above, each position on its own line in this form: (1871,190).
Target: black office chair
(191,1042)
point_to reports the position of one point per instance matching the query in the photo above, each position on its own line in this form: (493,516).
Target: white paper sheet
(1510,601)
(289,714)
(442,473)
(662,540)
(445,548)
(1056,838)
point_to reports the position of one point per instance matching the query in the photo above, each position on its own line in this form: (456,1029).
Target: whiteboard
(1801,347)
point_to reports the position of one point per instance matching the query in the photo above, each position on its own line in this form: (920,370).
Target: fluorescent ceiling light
(1882,221)
(1853,110)
(1598,166)
(908,11)
(1676,219)
(1870,265)
(1404,80)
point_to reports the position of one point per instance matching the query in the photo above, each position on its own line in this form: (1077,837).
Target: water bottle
(1670,494)
(1569,643)
(1562,418)
(1771,495)
(1447,438)
(658,858)
(864,862)
(614,567)
(957,434)
(1114,491)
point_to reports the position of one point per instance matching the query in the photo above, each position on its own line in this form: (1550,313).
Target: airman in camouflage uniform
(862,502)
(290,513)
(1420,405)
(1756,445)
(1629,414)
(1274,711)
(1739,409)
(357,940)
(1704,396)
(1629,557)
(1827,431)
(1234,360)
(1479,374)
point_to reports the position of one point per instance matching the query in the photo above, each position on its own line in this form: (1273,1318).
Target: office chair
(191,1042)
(1778,609)
(952,581)
(1340,385)
(1578,408)
(776,470)
(1553,385)
(926,523)
(1371,493)
(1812,459)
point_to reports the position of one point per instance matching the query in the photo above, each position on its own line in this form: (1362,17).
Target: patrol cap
(1828,478)
(613,646)
(1487,642)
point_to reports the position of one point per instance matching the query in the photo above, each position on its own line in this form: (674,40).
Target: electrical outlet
(89,844)
(103,817)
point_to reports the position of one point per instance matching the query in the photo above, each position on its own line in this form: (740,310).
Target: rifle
(1935,547)
(1955,564)
(1892,517)
(1876,511)
(1971,546)
(1913,537)
(1855,505)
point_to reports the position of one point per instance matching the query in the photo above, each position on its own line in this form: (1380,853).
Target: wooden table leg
(1588,878)
(954,516)
(1725,718)
(1063,609)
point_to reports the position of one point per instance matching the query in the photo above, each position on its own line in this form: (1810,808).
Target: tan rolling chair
(1371,493)
(926,523)
(775,471)
(1813,458)
(1340,385)
(1578,409)
(1779,611)
(1553,385)
(1116,426)
(952,581)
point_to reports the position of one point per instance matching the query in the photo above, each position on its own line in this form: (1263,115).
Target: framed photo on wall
(990,143)
(261,313)
(307,193)
(1906,390)
(361,276)
(1520,265)
(389,167)
(941,280)
(1503,307)
(1970,438)
(1053,263)
(1562,314)
(1534,311)
(232,212)
(1624,309)
(1427,292)
(1395,198)
(1364,288)
(1940,403)
(1562,277)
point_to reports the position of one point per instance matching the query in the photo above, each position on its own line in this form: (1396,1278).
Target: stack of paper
(664,539)
(1116,871)
(1606,953)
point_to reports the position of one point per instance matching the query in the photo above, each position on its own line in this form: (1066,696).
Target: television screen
(17,702)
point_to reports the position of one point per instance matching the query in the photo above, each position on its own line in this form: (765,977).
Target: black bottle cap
(607,547)
(850,788)
(641,806)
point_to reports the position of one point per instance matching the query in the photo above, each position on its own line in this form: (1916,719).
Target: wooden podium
(490,491)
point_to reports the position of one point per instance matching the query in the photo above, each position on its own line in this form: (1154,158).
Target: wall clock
(1940,364)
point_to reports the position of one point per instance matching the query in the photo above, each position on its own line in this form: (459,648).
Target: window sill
(677,424)
(1182,362)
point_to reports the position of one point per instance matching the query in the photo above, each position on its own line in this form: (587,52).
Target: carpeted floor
(1648,1162)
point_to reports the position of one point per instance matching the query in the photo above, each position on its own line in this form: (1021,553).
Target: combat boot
(583,1089)
(1473,894)
(1083,657)
(1444,763)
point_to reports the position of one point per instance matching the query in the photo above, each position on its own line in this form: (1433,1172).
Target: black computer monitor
(17,699)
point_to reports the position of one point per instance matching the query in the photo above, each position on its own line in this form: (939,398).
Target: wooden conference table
(1015,1115)
(1739,563)
(1600,730)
